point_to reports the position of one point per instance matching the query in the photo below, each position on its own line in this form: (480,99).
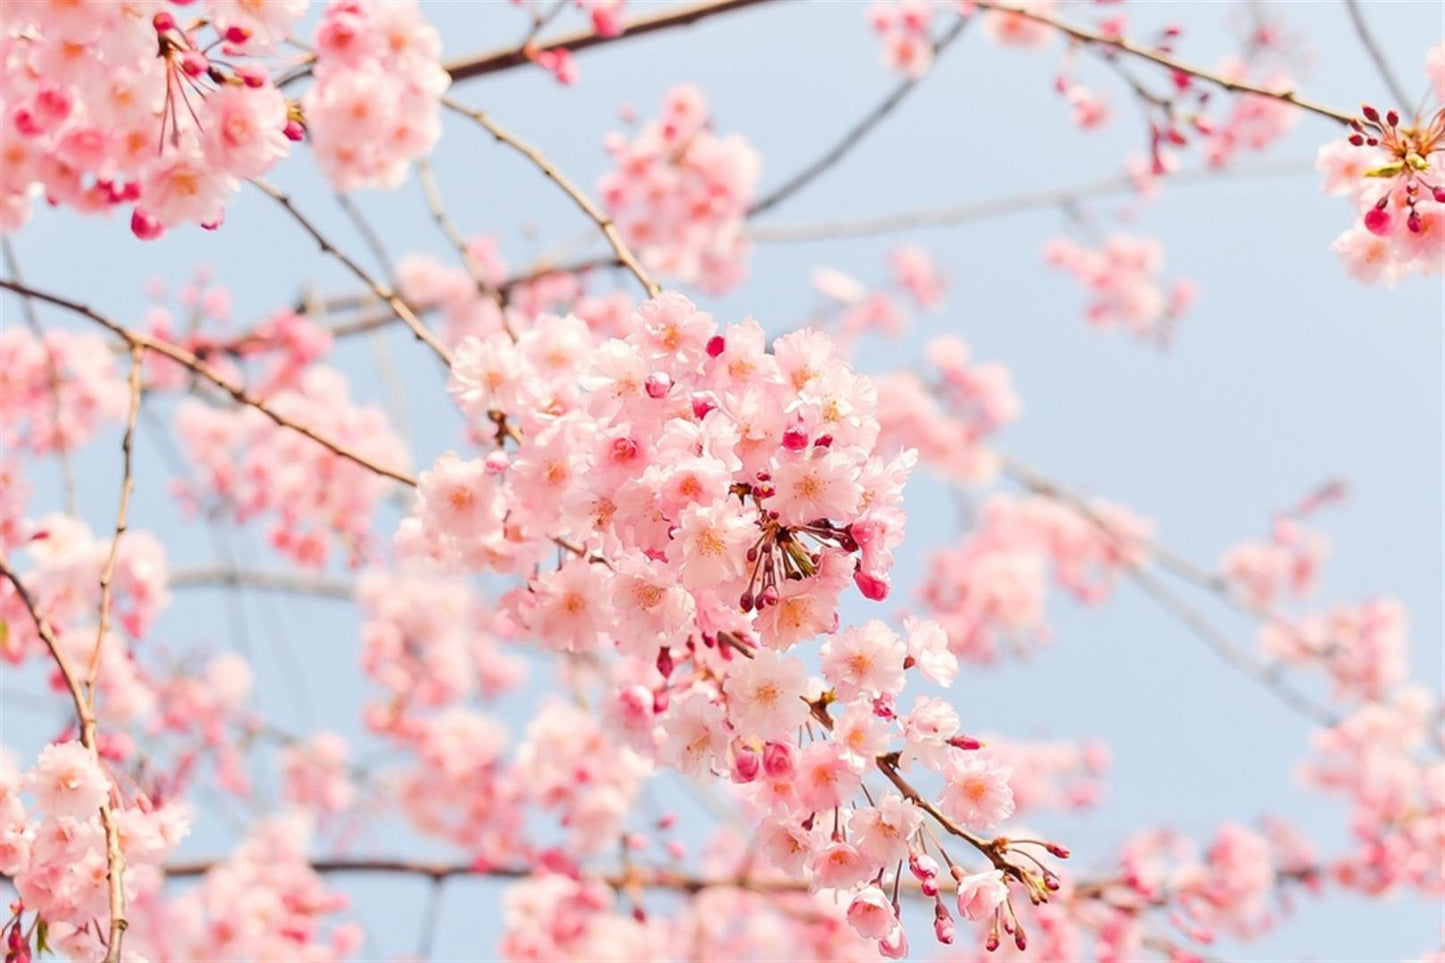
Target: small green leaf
(4,634)
(42,933)
(1386,170)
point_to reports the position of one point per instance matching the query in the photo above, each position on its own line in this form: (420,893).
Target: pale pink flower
(765,695)
(67,782)
(976,791)
(882,832)
(979,894)
(871,913)
(864,659)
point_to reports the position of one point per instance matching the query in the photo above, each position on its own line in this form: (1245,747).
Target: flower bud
(778,760)
(746,765)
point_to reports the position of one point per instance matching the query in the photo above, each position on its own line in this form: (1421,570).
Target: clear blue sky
(1286,373)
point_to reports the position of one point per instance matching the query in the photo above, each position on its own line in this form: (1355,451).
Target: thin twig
(1367,40)
(189,361)
(392,299)
(122,518)
(273,581)
(1123,45)
(1007,205)
(427,178)
(855,134)
(583,202)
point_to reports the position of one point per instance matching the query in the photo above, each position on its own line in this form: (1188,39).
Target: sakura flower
(765,696)
(865,659)
(976,791)
(882,832)
(979,894)
(67,782)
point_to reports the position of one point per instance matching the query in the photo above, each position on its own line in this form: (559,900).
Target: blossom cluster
(249,466)
(1123,280)
(110,105)
(679,193)
(376,104)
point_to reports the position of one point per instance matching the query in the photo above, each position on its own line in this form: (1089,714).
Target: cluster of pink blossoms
(57,392)
(1123,280)
(53,851)
(991,589)
(111,104)
(250,466)
(375,106)
(1393,171)
(949,420)
(680,193)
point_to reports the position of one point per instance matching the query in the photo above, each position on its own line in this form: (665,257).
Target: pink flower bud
(778,760)
(871,586)
(658,384)
(496,462)
(1377,221)
(664,662)
(922,865)
(163,21)
(194,63)
(716,345)
(701,405)
(144,226)
(746,765)
(294,131)
(236,33)
(795,438)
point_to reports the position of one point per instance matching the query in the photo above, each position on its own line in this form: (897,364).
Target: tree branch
(1124,45)
(855,134)
(1367,40)
(583,202)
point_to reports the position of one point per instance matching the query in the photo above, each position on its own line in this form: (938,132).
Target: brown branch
(403,311)
(583,202)
(507,58)
(85,719)
(855,134)
(1367,40)
(444,223)
(122,516)
(189,361)
(1086,36)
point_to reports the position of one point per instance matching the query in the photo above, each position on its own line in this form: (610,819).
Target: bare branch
(583,202)
(271,581)
(505,59)
(1123,45)
(855,134)
(187,360)
(403,311)
(1004,206)
(1367,40)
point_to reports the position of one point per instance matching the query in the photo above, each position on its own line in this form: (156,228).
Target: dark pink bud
(1021,940)
(1377,221)
(163,21)
(658,384)
(1413,222)
(992,943)
(664,662)
(716,345)
(1392,118)
(294,131)
(768,597)
(922,865)
(1058,849)
(236,33)
(252,76)
(660,699)
(1370,112)
(764,475)
(144,226)
(1439,193)
(966,743)
(1051,882)
(929,887)
(824,441)
(746,602)
(746,765)
(194,63)
(795,438)
(701,405)
(943,928)
(778,760)
(1357,139)
(871,586)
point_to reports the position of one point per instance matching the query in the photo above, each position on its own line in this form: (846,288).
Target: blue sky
(1286,373)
